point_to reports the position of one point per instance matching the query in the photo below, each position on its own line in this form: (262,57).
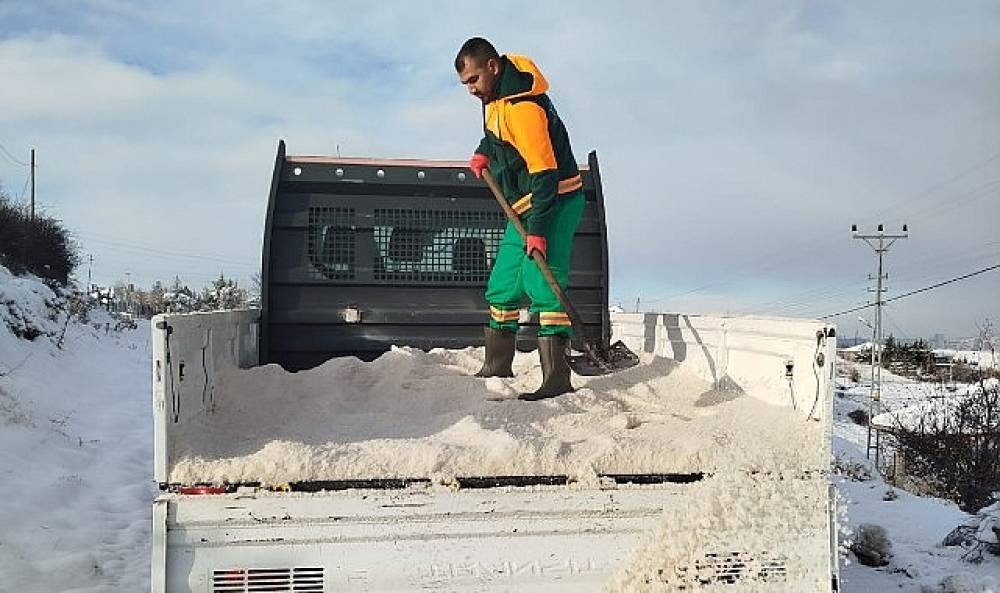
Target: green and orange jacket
(527,144)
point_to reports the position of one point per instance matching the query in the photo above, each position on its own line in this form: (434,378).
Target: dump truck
(363,257)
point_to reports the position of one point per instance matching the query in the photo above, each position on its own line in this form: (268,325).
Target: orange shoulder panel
(529,133)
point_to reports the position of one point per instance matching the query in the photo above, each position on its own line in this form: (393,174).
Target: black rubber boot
(499,353)
(555,369)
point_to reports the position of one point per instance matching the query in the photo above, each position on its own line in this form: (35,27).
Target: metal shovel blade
(593,363)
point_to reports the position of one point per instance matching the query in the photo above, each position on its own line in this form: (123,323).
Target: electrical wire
(918,291)
(818,244)
(807,302)
(24,190)
(11,157)
(166,253)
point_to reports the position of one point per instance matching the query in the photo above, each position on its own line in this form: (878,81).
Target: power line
(949,181)
(24,189)
(818,243)
(12,157)
(813,299)
(160,252)
(918,291)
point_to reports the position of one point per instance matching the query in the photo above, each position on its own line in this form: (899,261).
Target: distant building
(972,358)
(937,341)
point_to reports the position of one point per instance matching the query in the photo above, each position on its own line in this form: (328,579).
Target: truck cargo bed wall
(362,254)
(782,362)
(189,351)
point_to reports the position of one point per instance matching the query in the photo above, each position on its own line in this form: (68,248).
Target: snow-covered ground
(916,526)
(76,476)
(75,450)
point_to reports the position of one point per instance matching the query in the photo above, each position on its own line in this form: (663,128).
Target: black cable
(749,266)
(140,248)
(175,397)
(827,292)
(820,335)
(12,157)
(204,369)
(913,292)
(24,189)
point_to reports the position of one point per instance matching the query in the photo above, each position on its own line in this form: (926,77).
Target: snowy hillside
(75,448)
(915,526)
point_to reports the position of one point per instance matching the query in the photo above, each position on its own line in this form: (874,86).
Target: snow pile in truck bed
(413,414)
(759,530)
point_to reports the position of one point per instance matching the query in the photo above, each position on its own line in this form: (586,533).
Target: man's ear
(493,65)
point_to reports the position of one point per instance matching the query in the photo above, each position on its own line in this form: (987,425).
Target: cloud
(737,143)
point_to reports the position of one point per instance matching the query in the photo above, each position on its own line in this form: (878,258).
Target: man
(526,148)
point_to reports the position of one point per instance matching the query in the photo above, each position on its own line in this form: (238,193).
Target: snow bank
(916,525)
(28,308)
(414,414)
(75,450)
(937,411)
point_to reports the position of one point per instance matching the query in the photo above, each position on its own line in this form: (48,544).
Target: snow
(916,525)
(937,410)
(858,348)
(776,512)
(26,305)
(76,453)
(977,358)
(412,414)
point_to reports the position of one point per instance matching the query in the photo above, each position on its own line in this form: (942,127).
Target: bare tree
(954,451)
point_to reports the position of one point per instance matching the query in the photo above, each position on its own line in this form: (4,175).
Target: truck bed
(413,415)
(704,467)
(534,539)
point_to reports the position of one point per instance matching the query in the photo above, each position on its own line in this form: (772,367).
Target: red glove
(477,163)
(535,243)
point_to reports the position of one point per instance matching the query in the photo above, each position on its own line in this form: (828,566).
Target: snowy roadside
(916,526)
(75,451)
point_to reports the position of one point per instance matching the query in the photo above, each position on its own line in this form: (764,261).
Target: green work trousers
(515,276)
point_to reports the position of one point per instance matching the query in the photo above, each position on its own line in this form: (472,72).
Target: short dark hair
(477,49)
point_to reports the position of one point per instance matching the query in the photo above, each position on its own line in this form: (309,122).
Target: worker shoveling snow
(414,414)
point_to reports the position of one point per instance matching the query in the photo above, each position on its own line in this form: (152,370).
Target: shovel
(597,359)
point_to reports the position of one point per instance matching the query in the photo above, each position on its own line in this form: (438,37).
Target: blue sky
(738,142)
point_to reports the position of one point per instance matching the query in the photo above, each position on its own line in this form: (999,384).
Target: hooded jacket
(527,144)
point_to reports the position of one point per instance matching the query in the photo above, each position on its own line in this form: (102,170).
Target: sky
(738,142)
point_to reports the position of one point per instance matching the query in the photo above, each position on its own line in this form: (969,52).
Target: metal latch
(352,315)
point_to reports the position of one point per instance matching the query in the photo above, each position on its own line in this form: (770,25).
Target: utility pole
(90,266)
(32,185)
(128,292)
(880,242)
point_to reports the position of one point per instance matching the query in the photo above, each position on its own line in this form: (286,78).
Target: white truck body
(545,535)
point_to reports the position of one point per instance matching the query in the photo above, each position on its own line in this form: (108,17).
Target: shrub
(954,453)
(871,545)
(41,245)
(859,416)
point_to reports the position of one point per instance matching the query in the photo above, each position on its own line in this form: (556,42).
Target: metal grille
(331,243)
(730,568)
(436,245)
(272,580)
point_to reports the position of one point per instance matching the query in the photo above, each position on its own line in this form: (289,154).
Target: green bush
(41,246)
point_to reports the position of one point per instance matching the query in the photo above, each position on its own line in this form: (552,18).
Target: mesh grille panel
(730,568)
(331,243)
(275,580)
(436,245)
